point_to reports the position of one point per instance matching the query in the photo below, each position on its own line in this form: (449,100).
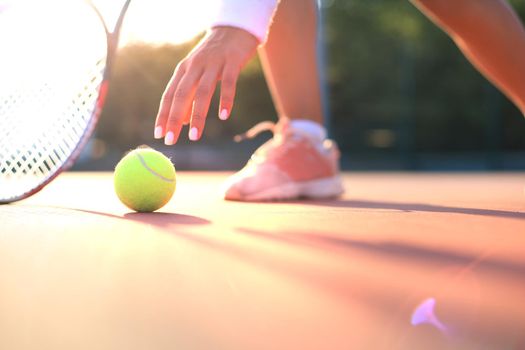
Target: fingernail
(158,132)
(224,114)
(169,138)
(194,134)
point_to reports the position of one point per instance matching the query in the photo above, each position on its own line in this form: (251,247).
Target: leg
(298,162)
(491,36)
(289,60)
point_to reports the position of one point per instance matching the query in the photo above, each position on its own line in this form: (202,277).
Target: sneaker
(293,164)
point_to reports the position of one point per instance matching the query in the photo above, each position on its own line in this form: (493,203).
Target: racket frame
(112,40)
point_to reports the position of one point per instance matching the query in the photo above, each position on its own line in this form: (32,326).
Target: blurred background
(400,95)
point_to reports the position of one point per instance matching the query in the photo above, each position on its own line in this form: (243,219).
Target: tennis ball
(144,180)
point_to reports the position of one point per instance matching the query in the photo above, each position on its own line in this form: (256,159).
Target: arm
(240,27)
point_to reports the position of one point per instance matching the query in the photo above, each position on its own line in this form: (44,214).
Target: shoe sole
(314,189)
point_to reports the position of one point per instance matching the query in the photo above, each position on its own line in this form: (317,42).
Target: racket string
(24,161)
(52,67)
(65,130)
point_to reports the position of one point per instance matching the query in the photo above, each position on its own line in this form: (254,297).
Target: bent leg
(299,161)
(491,36)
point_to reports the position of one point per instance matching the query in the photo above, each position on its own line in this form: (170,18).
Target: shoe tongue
(314,131)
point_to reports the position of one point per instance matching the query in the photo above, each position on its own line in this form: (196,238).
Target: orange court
(78,270)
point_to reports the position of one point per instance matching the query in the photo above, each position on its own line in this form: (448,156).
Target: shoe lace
(256,130)
(278,129)
(268,148)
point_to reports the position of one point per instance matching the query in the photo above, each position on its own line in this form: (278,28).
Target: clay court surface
(79,271)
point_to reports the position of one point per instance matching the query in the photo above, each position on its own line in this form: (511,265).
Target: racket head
(54,70)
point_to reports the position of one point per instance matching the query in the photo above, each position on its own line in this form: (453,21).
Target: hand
(220,55)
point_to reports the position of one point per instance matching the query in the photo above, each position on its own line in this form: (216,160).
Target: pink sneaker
(293,164)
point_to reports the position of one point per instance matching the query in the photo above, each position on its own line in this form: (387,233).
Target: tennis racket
(55,62)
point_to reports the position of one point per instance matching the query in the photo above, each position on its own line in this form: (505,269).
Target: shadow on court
(417,254)
(154,219)
(409,207)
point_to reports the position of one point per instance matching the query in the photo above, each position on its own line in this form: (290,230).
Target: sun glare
(53,64)
(55,52)
(50,70)
(161,21)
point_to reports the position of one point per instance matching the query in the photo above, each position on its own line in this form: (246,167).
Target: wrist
(232,31)
(228,34)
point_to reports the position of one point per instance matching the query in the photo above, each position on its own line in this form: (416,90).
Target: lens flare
(424,314)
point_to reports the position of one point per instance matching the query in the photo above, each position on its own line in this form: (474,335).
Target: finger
(229,77)
(201,104)
(181,101)
(166,101)
(187,115)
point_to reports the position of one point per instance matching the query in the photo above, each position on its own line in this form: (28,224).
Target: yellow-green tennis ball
(144,180)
